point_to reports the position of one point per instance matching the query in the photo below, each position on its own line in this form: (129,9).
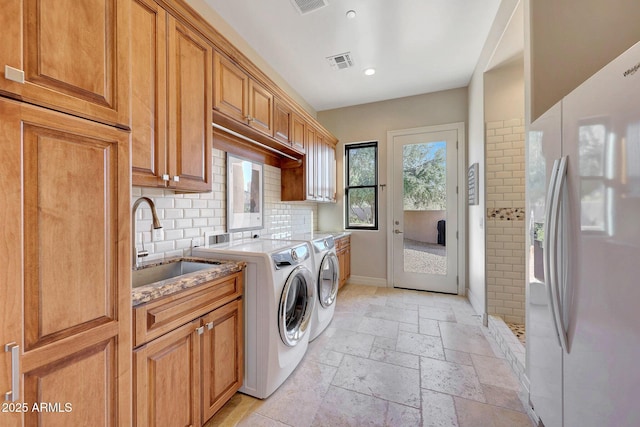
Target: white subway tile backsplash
(185,216)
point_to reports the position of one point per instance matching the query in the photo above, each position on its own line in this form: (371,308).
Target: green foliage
(424,173)
(362,171)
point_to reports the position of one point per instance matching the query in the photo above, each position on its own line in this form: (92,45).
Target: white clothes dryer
(327,278)
(327,270)
(279,299)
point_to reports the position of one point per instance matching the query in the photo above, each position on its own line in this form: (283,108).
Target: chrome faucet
(156,225)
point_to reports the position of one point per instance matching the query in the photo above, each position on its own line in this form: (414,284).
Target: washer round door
(296,306)
(328,280)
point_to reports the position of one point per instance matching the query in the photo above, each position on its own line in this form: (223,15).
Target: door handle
(397,231)
(14,393)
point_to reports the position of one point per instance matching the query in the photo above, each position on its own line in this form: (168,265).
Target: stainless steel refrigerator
(583,293)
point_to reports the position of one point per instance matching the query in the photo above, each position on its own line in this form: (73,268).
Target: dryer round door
(328,280)
(296,306)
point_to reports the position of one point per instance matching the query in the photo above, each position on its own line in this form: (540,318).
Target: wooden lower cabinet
(167,380)
(343,252)
(183,377)
(222,357)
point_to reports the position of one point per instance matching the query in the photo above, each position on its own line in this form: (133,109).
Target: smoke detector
(341,61)
(306,6)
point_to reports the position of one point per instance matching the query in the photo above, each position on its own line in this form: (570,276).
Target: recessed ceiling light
(351,14)
(369,71)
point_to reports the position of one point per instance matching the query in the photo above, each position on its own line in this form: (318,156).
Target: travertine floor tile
(421,345)
(451,378)
(390,382)
(350,342)
(392,313)
(348,408)
(438,410)
(476,414)
(494,371)
(465,338)
(393,358)
(378,327)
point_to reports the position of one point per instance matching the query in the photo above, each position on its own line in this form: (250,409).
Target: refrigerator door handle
(555,263)
(559,260)
(546,246)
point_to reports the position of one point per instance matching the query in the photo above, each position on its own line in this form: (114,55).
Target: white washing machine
(327,270)
(327,279)
(279,299)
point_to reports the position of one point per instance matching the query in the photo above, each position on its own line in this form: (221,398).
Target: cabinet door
(68,55)
(260,108)
(66,264)
(298,132)
(167,379)
(321,173)
(231,84)
(282,123)
(190,115)
(222,356)
(148,93)
(311,163)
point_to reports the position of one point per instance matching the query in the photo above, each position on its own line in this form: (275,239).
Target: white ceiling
(416,46)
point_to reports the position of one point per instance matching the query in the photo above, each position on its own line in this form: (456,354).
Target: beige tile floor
(392,357)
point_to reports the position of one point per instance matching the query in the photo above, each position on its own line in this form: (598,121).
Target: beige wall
(422,225)
(476,214)
(371,122)
(504,91)
(570,40)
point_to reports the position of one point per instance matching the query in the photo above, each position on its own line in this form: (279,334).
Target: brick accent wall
(185,217)
(505,230)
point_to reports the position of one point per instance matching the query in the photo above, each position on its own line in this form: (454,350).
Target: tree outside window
(361,190)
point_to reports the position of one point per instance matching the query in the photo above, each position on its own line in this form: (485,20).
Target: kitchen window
(361,190)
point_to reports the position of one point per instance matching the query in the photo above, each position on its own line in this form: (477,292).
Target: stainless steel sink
(156,273)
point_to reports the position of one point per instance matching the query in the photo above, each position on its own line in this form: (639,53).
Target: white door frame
(459,127)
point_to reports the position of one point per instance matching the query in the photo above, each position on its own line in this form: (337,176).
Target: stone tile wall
(505,230)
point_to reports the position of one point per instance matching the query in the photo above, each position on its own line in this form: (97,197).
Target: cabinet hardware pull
(210,326)
(200,330)
(13,74)
(176,178)
(165,177)
(14,393)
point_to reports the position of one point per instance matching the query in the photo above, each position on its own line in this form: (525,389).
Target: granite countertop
(219,268)
(335,234)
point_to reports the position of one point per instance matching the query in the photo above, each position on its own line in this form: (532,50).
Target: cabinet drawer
(343,242)
(166,313)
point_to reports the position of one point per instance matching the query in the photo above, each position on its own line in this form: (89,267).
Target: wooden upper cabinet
(240,97)
(260,108)
(190,109)
(231,86)
(282,122)
(148,93)
(312,164)
(171,101)
(68,55)
(298,132)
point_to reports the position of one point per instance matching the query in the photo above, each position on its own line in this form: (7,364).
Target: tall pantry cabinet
(65,297)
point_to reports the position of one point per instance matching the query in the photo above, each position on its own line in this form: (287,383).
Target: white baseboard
(369,281)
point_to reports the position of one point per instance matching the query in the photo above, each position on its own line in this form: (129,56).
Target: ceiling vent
(341,61)
(306,6)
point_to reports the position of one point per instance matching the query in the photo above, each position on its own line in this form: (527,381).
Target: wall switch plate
(156,234)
